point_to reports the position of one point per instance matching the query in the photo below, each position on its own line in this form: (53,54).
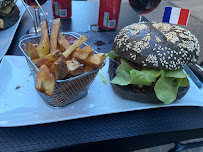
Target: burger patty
(11,18)
(134,93)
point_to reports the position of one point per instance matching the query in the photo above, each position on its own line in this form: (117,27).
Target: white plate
(21,106)
(6,36)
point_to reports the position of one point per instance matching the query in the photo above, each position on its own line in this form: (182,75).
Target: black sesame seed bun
(9,19)
(4,3)
(158,45)
(128,92)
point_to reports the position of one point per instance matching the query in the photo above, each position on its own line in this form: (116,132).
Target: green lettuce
(166,88)
(102,77)
(122,79)
(144,77)
(113,55)
(167,82)
(123,76)
(176,74)
(184,82)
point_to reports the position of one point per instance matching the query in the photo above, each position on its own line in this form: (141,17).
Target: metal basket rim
(58,81)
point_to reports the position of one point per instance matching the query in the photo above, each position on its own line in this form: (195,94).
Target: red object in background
(34,4)
(144,6)
(108,14)
(62,8)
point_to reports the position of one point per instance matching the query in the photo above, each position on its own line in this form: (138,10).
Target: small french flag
(176,15)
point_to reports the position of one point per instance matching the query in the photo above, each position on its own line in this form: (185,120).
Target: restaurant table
(125,131)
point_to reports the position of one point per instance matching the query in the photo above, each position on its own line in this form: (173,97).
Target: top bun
(5,2)
(157,45)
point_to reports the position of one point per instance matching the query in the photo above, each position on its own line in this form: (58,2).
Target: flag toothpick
(176,15)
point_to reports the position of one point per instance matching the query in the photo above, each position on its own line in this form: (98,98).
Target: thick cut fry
(102,56)
(74,68)
(63,44)
(31,51)
(82,54)
(60,69)
(88,68)
(45,81)
(39,62)
(70,57)
(43,47)
(1,23)
(75,45)
(52,57)
(56,23)
(95,60)
(48,60)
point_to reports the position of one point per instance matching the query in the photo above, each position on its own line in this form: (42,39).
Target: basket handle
(34,23)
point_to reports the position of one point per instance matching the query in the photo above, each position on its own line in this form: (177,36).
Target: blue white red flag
(176,15)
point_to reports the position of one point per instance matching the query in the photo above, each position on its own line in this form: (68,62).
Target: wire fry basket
(66,91)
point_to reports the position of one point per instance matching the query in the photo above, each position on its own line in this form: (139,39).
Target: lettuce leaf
(102,77)
(166,89)
(122,79)
(184,82)
(122,74)
(167,82)
(176,74)
(125,75)
(144,77)
(113,55)
(124,66)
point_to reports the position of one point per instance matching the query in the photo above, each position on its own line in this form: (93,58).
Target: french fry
(82,54)
(31,51)
(102,56)
(95,60)
(74,68)
(70,57)
(48,60)
(56,23)
(43,47)
(52,57)
(45,81)
(39,62)
(63,44)
(60,69)
(88,68)
(75,45)
(1,23)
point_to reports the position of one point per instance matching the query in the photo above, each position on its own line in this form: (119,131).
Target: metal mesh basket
(66,91)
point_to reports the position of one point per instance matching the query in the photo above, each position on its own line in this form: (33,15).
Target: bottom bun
(11,18)
(128,93)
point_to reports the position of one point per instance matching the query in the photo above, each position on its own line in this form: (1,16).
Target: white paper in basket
(21,105)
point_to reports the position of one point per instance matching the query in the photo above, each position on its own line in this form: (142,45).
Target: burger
(147,60)
(9,13)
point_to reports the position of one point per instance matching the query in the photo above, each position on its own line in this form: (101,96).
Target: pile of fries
(57,59)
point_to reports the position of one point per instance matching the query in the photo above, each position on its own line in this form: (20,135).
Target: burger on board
(147,59)
(9,14)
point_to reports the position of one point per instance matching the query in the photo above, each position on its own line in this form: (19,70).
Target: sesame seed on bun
(157,45)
